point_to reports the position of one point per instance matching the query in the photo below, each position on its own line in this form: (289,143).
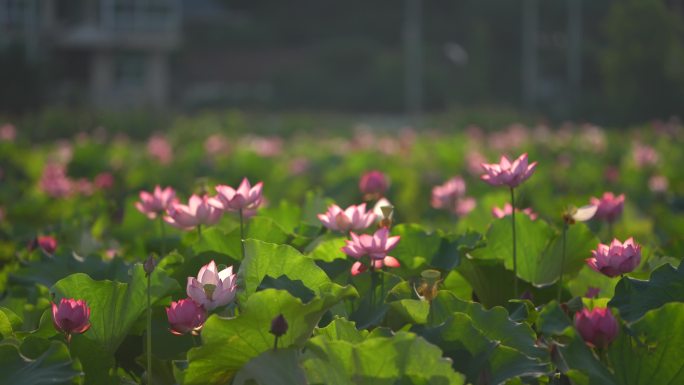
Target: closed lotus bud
(373,184)
(279,326)
(186,316)
(71,316)
(45,242)
(149,265)
(598,327)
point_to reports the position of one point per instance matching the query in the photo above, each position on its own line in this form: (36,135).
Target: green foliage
(33,365)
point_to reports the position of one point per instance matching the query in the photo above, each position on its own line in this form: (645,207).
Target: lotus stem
(149,329)
(515,258)
(242,233)
(163,236)
(562,266)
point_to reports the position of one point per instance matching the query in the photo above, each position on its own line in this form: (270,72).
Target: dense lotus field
(528,255)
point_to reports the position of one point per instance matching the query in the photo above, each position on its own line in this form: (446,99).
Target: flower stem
(374,279)
(242,234)
(275,343)
(199,232)
(149,329)
(562,267)
(163,237)
(515,257)
(610,231)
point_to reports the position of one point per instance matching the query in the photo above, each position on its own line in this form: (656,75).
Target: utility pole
(413,61)
(530,25)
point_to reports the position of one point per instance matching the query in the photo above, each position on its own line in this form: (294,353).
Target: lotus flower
(374,246)
(197,212)
(353,218)
(186,316)
(160,200)
(45,242)
(159,148)
(245,197)
(71,316)
(54,181)
(373,184)
(598,327)
(212,288)
(616,259)
(451,196)
(609,206)
(508,174)
(508,210)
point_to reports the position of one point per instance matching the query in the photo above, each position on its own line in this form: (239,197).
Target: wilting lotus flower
(507,210)
(451,196)
(197,212)
(616,259)
(45,242)
(160,200)
(374,246)
(609,206)
(212,288)
(598,327)
(353,218)
(373,184)
(71,316)
(508,174)
(245,197)
(186,316)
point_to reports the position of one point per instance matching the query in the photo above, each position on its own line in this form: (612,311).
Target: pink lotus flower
(104,181)
(616,259)
(374,246)
(609,206)
(197,212)
(245,197)
(160,200)
(451,196)
(45,242)
(507,173)
(373,184)
(54,181)
(598,327)
(8,132)
(658,184)
(508,210)
(71,316)
(212,288)
(353,218)
(645,155)
(186,316)
(160,148)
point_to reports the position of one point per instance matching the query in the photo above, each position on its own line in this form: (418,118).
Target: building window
(129,70)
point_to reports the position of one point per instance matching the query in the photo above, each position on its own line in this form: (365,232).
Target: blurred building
(110,53)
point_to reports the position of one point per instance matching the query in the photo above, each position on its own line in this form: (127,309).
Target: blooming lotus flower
(353,218)
(598,327)
(54,181)
(374,246)
(245,197)
(212,288)
(71,316)
(160,200)
(451,196)
(8,132)
(508,210)
(197,212)
(186,316)
(507,173)
(46,242)
(616,259)
(373,184)
(159,148)
(609,206)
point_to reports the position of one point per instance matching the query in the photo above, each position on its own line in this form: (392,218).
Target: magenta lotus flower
(507,173)
(212,288)
(186,316)
(507,210)
(616,259)
(375,247)
(197,212)
(598,327)
(374,184)
(156,202)
(451,196)
(353,218)
(71,316)
(45,242)
(245,197)
(609,206)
